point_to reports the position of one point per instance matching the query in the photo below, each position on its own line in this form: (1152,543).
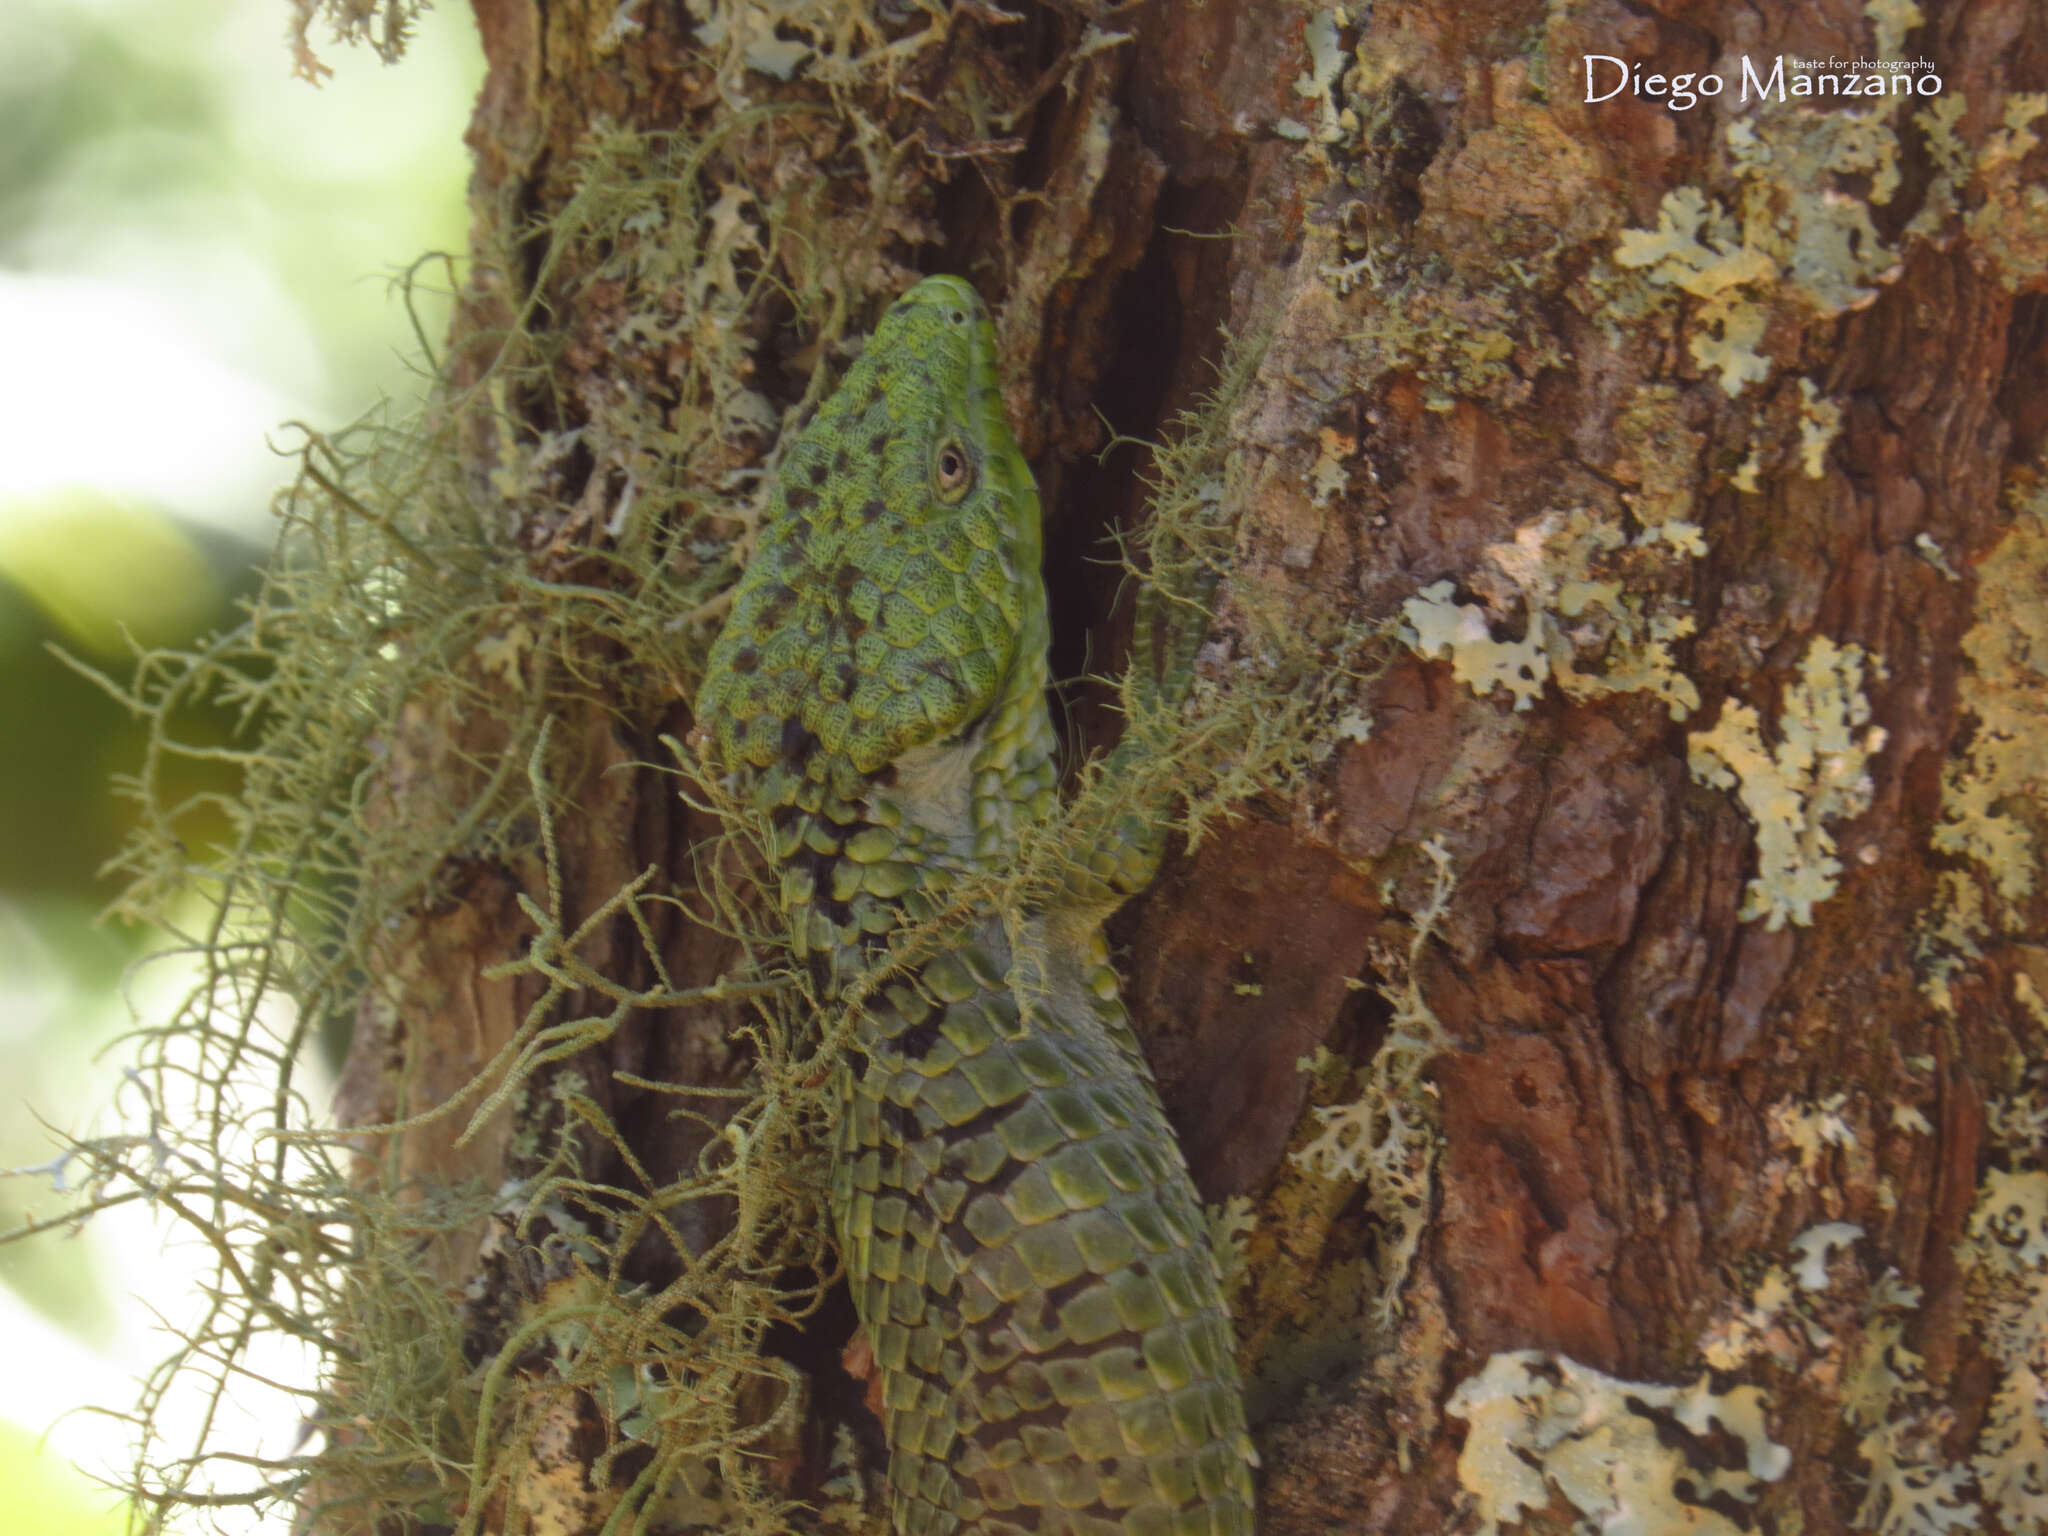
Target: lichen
(838,44)
(2004,1258)
(1906,1118)
(1328,478)
(1915,1487)
(1658,455)
(1929,549)
(1951,161)
(1991,793)
(1549,570)
(1809,1129)
(1463,325)
(1794,170)
(384,25)
(2009,1224)
(1231,1224)
(1891,20)
(1985,192)
(1820,419)
(1815,1246)
(1794,234)
(1459,341)
(1386,1138)
(1815,775)
(1912,1488)
(1804,1319)
(1948,939)
(532,623)
(2029,997)
(1632,1458)
(2010,223)
(1316,85)
(1778,1319)
(1695,248)
(1992,789)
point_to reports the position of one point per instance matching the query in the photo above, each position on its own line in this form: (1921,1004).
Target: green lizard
(1026,1250)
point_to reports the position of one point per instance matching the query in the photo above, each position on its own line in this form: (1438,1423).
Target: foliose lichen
(1630,1457)
(1550,571)
(1814,775)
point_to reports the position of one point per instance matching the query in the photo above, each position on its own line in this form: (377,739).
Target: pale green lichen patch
(1696,248)
(1779,1318)
(1457,301)
(1992,789)
(1553,571)
(1929,549)
(1773,1321)
(1315,86)
(1906,1118)
(1792,234)
(2010,1221)
(2011,222)
(1328,478)
(1810,1129)
(1439,627)
(1913,1488)
(1628,1456)
(1949,937)
(1991,793)
(1801,1319)
(1814,775)
(1793,167)
(2004,1256)
(1819,420)
(2029,997)
(1659,456)
(1744,479)
(1905,1430)
(1386,1139)
(1815,1246)
(1231,1224)
(1459,341)
(1892,20)
(1950,158)
(2001,208)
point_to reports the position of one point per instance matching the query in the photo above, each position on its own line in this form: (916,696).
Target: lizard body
(1026,1249)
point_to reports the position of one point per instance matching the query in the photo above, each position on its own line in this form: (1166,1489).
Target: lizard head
(896,582)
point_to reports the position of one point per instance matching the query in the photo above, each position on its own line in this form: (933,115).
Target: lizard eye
(952,471)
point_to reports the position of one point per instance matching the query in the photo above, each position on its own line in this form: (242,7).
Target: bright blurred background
(194,248)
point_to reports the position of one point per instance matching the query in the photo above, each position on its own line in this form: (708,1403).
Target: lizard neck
(965,800)
(862,853)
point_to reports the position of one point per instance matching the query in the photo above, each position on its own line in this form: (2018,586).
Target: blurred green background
(194,248)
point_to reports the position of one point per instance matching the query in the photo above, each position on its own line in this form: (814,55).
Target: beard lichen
(498,1314)
(442,680)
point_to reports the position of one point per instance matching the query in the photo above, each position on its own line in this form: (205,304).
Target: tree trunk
(1636,961)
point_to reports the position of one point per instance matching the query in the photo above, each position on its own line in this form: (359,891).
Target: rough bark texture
(1456,354)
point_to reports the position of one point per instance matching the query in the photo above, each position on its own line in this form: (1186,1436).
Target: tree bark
(1689,412)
